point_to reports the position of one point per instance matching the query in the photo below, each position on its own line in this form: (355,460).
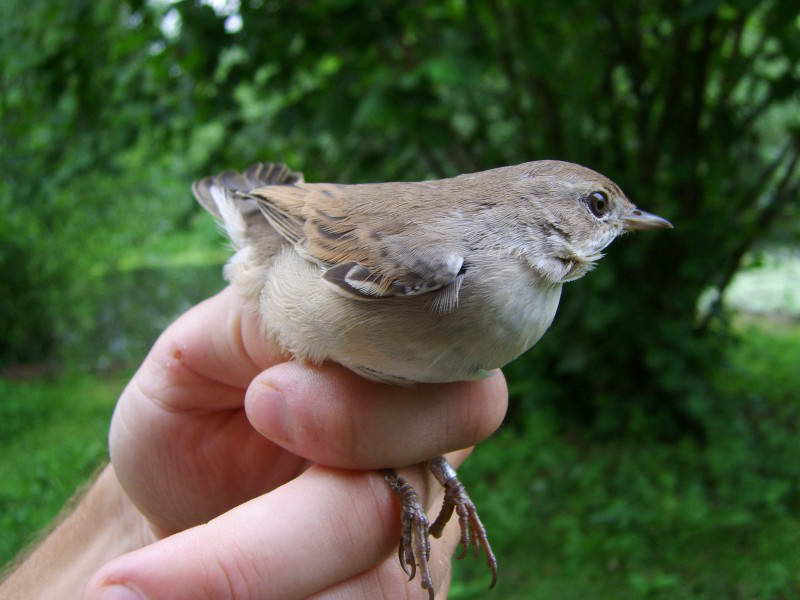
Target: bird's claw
(473,533)
(415,547)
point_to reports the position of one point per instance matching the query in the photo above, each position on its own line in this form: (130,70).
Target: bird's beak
(640,220)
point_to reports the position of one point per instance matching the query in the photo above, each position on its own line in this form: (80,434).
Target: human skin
(235,474)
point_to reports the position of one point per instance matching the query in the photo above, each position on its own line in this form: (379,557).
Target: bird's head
(571,214)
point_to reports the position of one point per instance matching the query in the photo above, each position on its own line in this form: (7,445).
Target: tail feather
(257,175)
(224,197)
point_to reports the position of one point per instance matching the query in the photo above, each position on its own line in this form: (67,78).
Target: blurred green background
(652,448)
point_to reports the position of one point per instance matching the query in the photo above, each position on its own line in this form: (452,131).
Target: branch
(629,48)
(691,140)
(538,87)
(766,176)
(754,80)
(733,75)
(484,47)
(671,105)
(783,193)
(549,102)
(507,59)
(758,110)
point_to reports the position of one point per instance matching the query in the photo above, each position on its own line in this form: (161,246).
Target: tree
(690,106)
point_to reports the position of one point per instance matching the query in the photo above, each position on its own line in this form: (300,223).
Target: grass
(769,285)
(577,518)
(569,517)
(52,437)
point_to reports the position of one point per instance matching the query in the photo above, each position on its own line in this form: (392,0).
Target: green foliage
(80,119)
(109,110)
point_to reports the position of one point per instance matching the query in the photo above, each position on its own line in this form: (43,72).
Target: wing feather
(364,255)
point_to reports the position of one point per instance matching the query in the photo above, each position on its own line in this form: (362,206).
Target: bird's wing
(365,251)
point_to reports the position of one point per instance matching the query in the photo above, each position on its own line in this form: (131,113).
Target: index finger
(324,527)
(206,358)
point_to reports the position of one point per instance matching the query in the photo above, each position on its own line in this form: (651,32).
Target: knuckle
(489,407)
(232,573)
(475,412)
(347,433)
(326,426)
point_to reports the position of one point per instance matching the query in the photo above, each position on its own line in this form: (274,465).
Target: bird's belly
(403,340)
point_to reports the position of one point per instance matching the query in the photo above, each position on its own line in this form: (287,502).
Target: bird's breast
(504,308)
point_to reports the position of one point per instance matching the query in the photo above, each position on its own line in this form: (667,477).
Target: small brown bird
(427,281)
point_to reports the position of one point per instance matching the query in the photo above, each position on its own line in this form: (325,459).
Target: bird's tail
(257,175)
(225,195)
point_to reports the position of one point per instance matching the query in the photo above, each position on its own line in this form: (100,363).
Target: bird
(413,282)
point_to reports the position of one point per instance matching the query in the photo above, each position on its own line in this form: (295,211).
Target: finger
(323,527)
(181,470)
(331,416)
(207,356)
(387,579)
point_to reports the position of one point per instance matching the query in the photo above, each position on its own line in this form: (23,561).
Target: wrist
(103,524)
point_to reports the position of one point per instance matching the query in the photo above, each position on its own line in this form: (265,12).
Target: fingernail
(120,592)
(268,413)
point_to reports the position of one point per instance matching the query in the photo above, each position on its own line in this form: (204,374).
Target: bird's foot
(456,499)
(415,546)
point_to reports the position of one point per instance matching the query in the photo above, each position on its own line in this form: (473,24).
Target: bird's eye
(598,204)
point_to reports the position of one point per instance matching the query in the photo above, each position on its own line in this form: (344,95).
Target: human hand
(208,445)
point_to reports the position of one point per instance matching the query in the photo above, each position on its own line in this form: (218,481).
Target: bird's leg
(456,498)
(415,547)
